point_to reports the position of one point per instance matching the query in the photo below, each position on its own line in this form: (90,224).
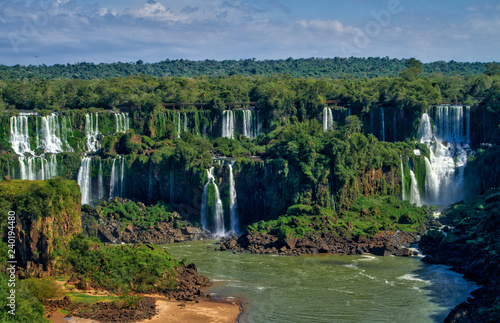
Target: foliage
(144,268)
(28,307)
(365,218)
(43,288)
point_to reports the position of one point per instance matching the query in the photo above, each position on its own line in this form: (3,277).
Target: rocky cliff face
(48,215)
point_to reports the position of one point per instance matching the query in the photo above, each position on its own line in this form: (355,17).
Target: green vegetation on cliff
(366,217)
(142,268)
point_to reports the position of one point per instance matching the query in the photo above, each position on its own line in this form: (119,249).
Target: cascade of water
(122,176)
(52,135)
(327,119)
(415,193)
(218,227)
(150,182)
(228,124)
(403,187)
(122,122)
(112,180)
(382,127)
(248,129)
(348,112)
(233,203)
(84,180)
(37,168)
(91,132)
(467,123)
(448,155)
(100,188)
(19,135)
(186,129)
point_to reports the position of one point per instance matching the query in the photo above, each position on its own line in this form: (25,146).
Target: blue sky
(70,31)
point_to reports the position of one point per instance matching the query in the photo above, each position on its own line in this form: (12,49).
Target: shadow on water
(447,289)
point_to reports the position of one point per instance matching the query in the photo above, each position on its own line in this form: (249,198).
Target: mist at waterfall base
(328,288)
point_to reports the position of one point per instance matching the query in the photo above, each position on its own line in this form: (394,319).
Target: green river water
(328,288)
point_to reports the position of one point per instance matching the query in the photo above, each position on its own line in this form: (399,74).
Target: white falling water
(248,124)
(91,132)
(52,135)
(37,168)
(122,177)
(84,180)
(415,193)
(382,127)
(122,122)
(327,119)
(233,203)
(228,124)
(403,186)
(112,181)
(186,129)
(19,134)
(448,155)
(100,187)
(218,227)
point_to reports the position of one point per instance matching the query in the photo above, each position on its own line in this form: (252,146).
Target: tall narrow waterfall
(84,180)
(382,124)
(186,129)
(91,132)
(403,186)
(228,124)
(122,122)
(19,134)
(448,154)
(248,124)
(218,212)
(117,181)
(233,203)
(415,193)
(178,124)
(327,119)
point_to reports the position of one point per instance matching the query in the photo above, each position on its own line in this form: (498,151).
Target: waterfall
(186,129)
(228,124)
(233,203)
(84,180)
(122,177)
(382,126)
(218,227)
(91,132)
(37,168)
(19,134)
(348,112)
(327,119)
(403,187)
(122,122)
(415,193)
(150,182)
(112,180)
(100,188)
(448,154)
(259,123)
(52,135)
(248,124)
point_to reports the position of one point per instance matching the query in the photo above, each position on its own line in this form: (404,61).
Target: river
(328,288)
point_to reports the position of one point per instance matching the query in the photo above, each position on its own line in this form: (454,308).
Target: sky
(70,31)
